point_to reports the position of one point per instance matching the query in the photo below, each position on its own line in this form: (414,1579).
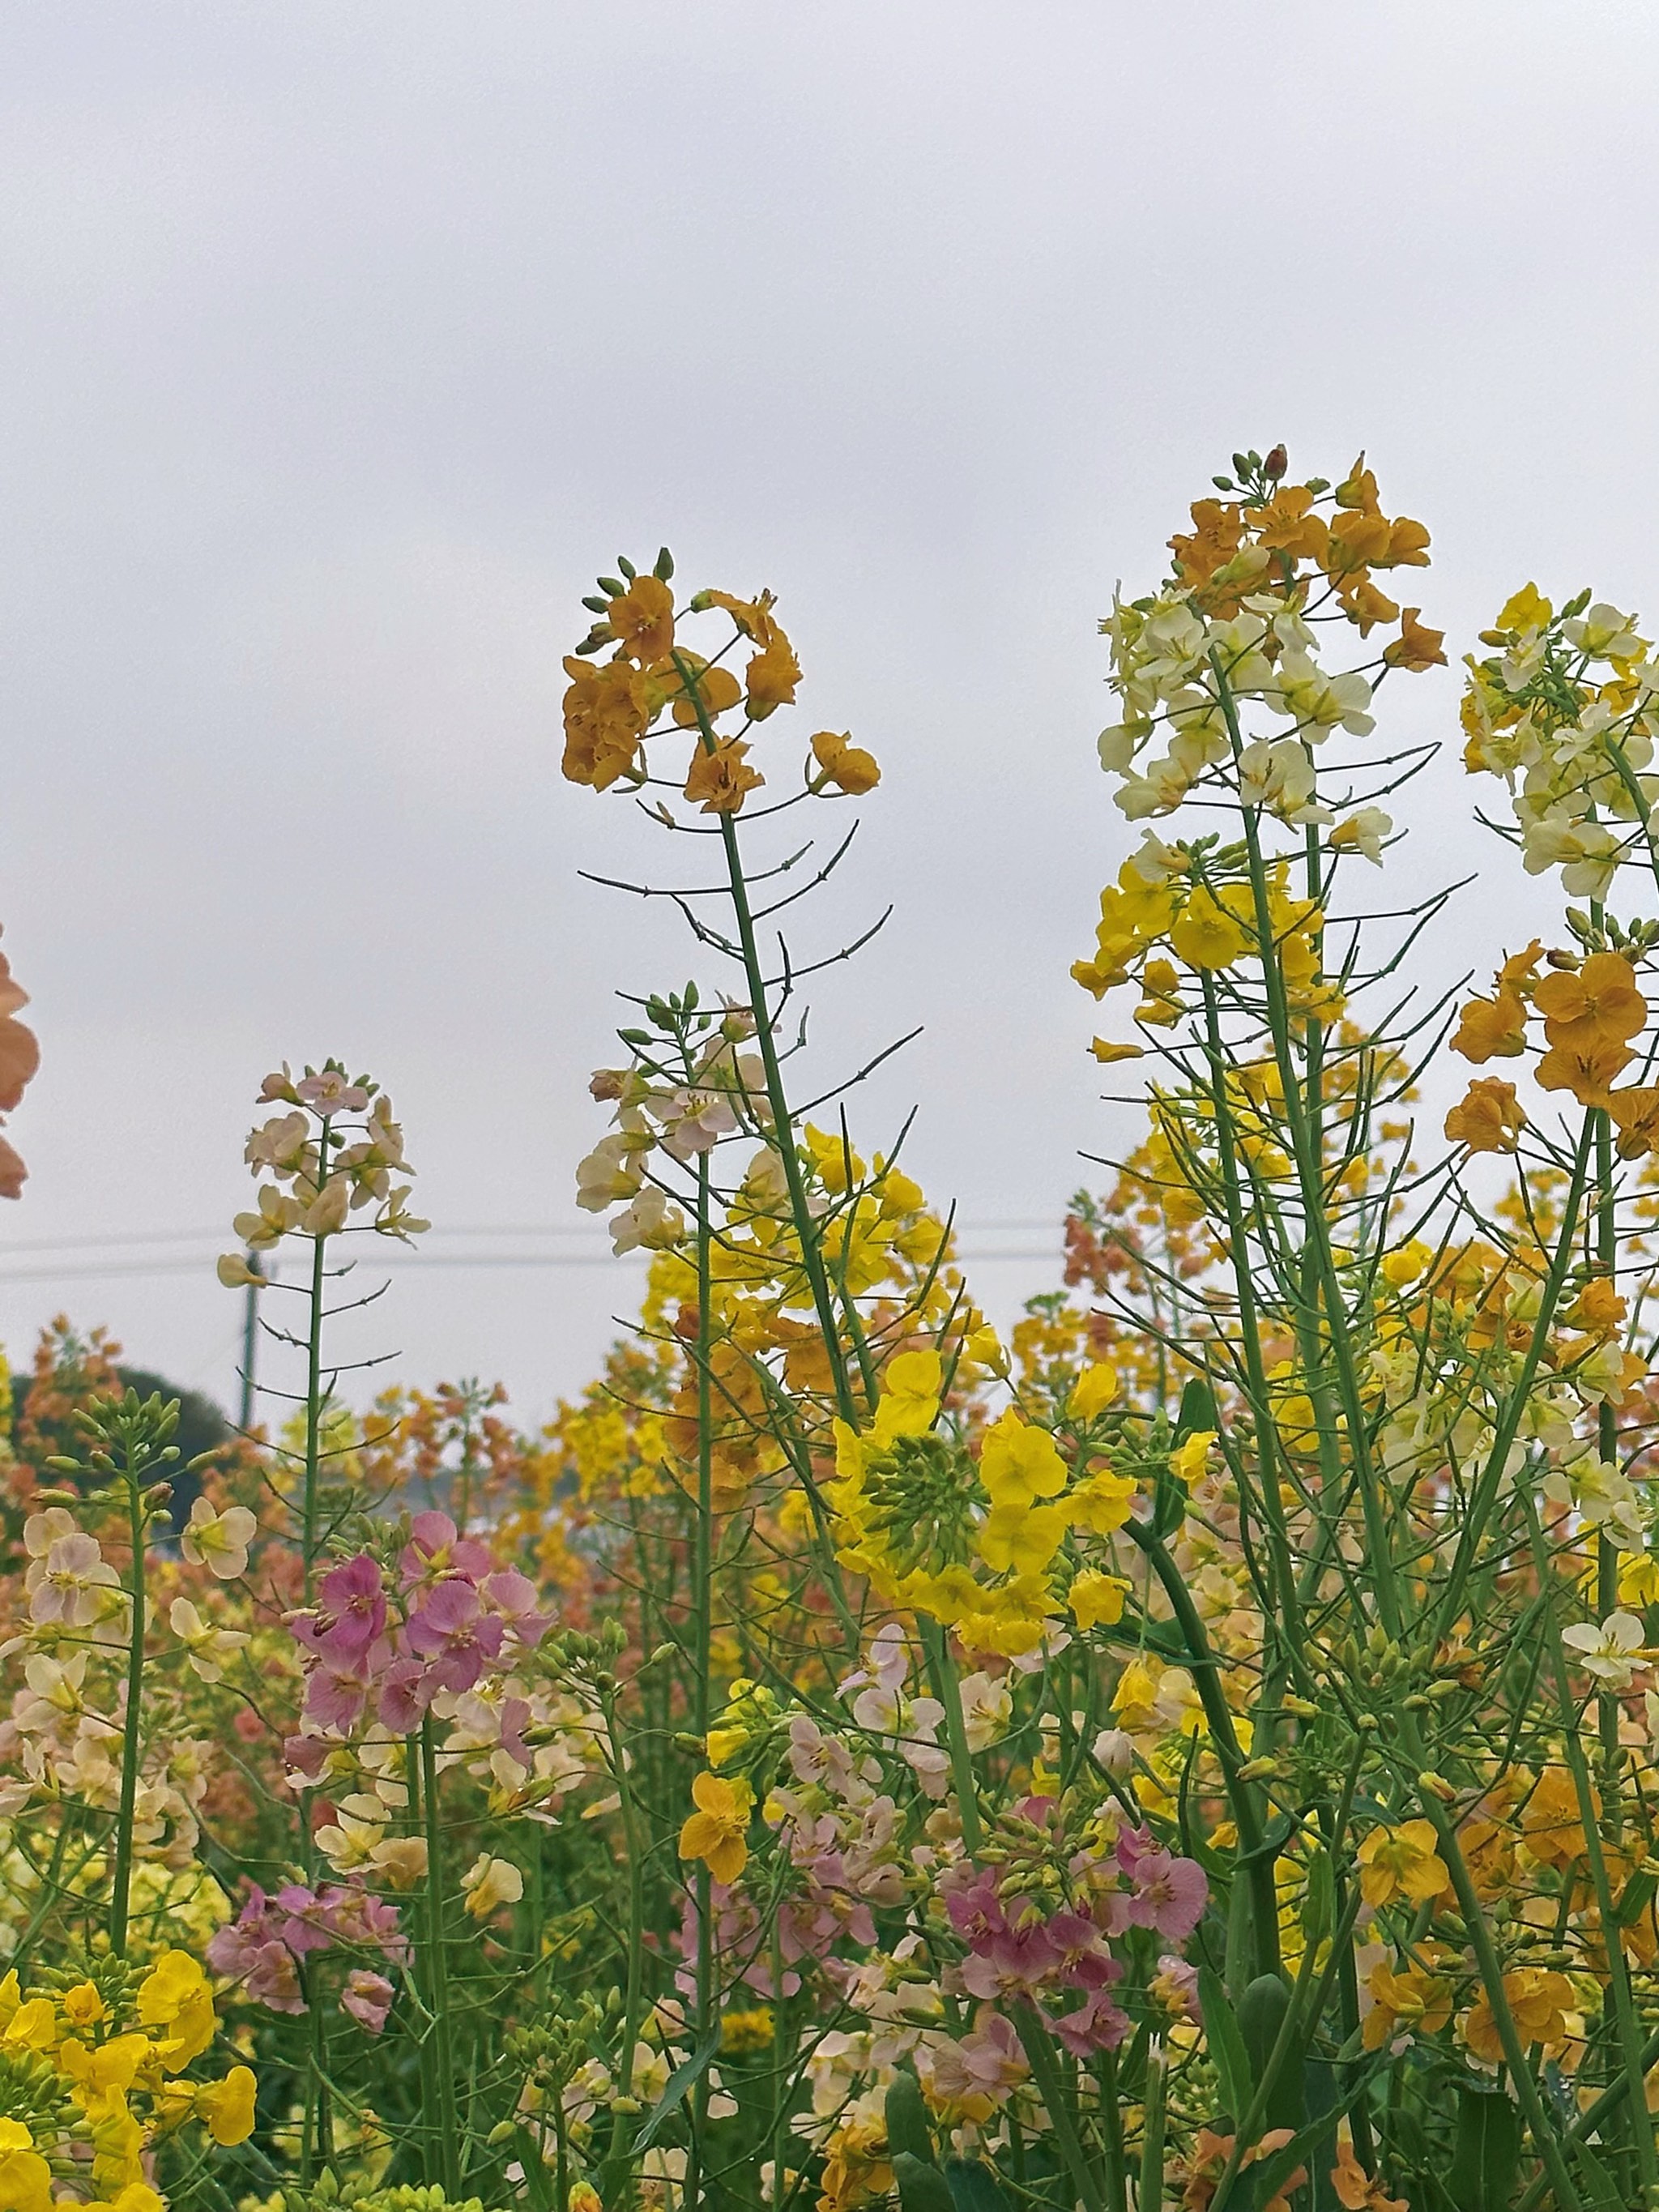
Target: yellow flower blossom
(82,2007)
(1191,1458)
(175,1995)
(771,677)
(1019,1463)
(1096,1601)
(1409,2001)
(643,620)
(844,764)
(716,1831)
(1020,1537)
(1403,1861)
(25,2177)
(1092,1392)
(1541,2002)
(1206,935)
(1101,1501)
(33,2026)
(227,2105)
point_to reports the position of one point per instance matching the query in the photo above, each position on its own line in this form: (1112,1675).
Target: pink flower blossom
(1168,1894)
(435,1549)
(514,1719)
(1176,1987)
(406,1690)
(990,2059)
(305,1755)
(975,1908)
(356,1603)
(1097,2025)
(514,1597)
(366,1998)
(356,1916)
(1080,1952)
(451,1629)
(1010,1965)
(301,1920)
(335,1696)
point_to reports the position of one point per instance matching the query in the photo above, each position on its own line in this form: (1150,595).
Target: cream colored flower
(490,1883)
(210,1650)
(218,1541)
(1612,1652)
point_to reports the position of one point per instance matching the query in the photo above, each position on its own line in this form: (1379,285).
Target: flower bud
(1115,1750)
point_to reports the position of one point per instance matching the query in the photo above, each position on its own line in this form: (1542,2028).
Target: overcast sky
(343,343)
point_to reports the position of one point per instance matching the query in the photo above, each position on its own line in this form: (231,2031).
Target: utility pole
(251,1338)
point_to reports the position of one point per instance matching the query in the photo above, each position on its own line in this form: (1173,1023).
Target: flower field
(1194,1749)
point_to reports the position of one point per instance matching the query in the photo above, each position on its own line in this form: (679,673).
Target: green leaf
(688,2071)
(921,2187)
(1197,1410)
(1304,2144)
(1319,1902)
(1226,2045)
(907,2120)
(1486,2161)
(1604,2191)
(1262,2011)
(974,2187)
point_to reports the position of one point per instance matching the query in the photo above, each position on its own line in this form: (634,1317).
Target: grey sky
(343,343)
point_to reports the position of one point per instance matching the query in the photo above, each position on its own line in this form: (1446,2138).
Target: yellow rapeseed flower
(1206,935)
(1022,1537)
(227,2105)
(1096,1601)
(1401,1862)
(716,1831)
(1019,1463)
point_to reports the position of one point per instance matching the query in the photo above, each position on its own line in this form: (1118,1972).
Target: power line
(220,1233)
(428,1263)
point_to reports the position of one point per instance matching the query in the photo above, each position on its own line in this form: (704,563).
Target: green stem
(318,2140)
(1038,2046)
(1310,1180)
(1247,1815)
(783,1128)
(1149,2196)
(121,1888)
(437,1974)
(702,1593)
(314,1388)
(636,1846)
(1506,1429)
(1490,1968)
(1606,1425)
(943,1670)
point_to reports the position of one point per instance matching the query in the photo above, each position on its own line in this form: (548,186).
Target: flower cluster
(64,1737)
(446,1632)
(1236,626)
(94,2076)
(331,1157)
(973,1543)
(722,1094)
(263,1948)
(1563,709)
(1020,1955)
(613,708)
(1592,1014)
